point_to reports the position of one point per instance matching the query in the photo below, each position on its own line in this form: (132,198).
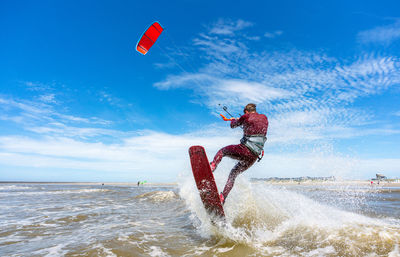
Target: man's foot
(222,198)
(212,166)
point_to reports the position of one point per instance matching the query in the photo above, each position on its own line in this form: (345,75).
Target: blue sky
(78,103)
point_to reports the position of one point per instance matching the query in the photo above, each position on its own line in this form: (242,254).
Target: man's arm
(225,118)
(238,122)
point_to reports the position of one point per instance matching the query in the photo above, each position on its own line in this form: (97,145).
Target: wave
(14,187)
(158,196)
(275,221)
(54,192)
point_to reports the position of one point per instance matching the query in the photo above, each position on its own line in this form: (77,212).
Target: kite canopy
(149,37)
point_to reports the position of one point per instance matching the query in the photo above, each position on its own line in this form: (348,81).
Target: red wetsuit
(253,124)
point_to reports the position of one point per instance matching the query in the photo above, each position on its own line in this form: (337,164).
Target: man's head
(250,108)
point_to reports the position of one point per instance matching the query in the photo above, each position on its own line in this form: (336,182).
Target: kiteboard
(205,181)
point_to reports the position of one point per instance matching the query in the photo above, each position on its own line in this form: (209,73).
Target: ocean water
(262,220)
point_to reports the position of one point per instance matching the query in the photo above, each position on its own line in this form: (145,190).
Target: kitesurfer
(251,146)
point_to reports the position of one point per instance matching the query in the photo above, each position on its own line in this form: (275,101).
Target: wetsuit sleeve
(237,122)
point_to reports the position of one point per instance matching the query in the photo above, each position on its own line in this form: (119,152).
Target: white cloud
(91,120)
(237,93)
(381,35)
(228,91)
(152,152)
(48,98)
(31,113)
(273,34)
(284,81)
(25,112)
(147,151)
(185,80)
(249,91)
(215,45)
(38,86)
(228,27)
(60,129)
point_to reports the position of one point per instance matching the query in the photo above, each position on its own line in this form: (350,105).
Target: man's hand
(226,119)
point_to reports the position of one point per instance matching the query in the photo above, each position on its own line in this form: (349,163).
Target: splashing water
(270,220)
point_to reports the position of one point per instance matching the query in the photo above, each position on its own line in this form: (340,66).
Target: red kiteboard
(205,181)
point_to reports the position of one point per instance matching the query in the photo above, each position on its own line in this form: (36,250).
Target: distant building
(298,179)
(380,176)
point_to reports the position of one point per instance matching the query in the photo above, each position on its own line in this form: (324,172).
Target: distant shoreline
(336,182)
(272,182)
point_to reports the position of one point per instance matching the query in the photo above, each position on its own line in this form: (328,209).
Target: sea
(262,219)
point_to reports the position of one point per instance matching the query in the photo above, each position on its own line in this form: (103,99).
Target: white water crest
(275,221)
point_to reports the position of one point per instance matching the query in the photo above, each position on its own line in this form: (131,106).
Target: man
(255,128)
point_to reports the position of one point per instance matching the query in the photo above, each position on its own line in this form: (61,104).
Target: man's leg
(239,168)
(232,151)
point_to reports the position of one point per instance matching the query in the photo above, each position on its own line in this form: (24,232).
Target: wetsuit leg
(238,152)
(233,151)
(239,168)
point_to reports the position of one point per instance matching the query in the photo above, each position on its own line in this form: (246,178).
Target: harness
(255,143)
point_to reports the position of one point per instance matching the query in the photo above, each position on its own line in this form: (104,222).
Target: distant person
(251,146)
(138,183)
